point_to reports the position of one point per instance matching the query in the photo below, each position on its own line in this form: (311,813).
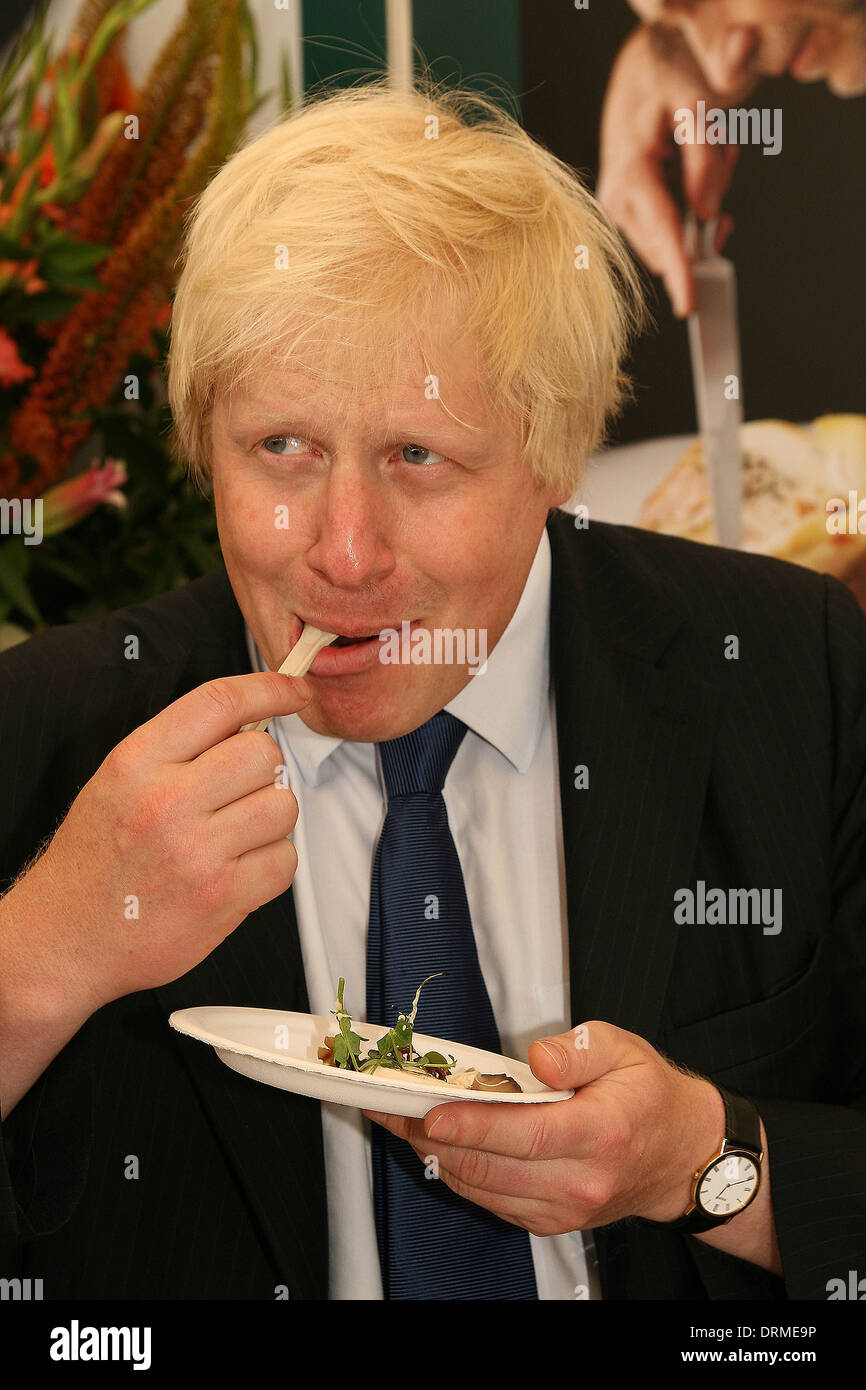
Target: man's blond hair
(371,216)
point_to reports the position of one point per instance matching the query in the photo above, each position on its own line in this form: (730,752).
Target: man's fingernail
(444,1128)
(302,687)
(556,1052)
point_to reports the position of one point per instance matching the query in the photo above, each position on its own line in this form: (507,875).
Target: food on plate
(498,1081)
(395,1052)
(802,489)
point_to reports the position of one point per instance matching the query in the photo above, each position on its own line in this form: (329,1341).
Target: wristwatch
(729,1180)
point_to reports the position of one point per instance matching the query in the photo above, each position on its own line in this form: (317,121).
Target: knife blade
(714,344)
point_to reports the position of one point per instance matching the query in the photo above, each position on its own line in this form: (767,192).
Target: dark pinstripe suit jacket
(743,773)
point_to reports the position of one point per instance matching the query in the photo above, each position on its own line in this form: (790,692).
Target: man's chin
(372,728)
(366,717)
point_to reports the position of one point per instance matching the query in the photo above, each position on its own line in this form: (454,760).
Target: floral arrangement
(95,180)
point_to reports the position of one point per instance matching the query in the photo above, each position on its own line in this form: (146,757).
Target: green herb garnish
(347,1045)
(394,1049)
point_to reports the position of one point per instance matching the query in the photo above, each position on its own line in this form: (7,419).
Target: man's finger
(495,1181)
(651,220)
(216,710)
(522,1132)
(534,1133)
(707,174)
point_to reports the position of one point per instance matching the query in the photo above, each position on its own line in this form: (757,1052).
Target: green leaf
(371,1064)
(12,250)
(28,40)
(41,308)
(433,1059)
(41,53)
(402,1032)
(66,133)
(285,82)
(117,16)
(75,280)
(248,25)
(63,256)
(347,1047)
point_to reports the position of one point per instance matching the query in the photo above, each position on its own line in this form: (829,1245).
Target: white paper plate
(280,1050)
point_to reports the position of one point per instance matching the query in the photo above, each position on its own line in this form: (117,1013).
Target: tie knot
(419,762)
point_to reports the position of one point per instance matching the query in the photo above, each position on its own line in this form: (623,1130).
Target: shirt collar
(505,703)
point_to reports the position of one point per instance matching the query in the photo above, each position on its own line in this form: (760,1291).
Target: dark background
(798,244)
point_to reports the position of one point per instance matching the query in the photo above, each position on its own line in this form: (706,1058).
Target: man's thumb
(579,1056)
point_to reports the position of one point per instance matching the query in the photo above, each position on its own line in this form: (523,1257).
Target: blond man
(396,340)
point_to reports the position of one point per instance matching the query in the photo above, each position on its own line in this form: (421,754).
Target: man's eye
(289,445)
(282,439)
(417,449)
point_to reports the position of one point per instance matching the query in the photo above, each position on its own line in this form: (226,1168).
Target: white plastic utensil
(299,660)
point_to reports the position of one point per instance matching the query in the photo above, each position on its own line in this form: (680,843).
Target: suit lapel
(644,732)
(271,1139)
(643,728)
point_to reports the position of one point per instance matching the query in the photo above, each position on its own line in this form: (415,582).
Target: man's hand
(626,1144)
(654,75)
(176,838)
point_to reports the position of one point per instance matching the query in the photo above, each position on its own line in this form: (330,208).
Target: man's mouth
(353,641)
(353,651)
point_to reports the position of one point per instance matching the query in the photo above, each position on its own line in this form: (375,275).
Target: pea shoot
(394,1048)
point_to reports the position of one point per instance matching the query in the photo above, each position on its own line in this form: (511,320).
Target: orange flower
(116,90)
(24,271)
(47,167)
(12,369)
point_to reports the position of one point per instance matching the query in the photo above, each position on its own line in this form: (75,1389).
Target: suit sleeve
(45,1153)
(817,1151)
(45,1140)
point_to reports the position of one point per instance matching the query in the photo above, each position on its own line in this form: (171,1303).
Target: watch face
(728,1185)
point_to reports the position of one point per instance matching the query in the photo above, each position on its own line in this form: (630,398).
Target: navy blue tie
(432,1243)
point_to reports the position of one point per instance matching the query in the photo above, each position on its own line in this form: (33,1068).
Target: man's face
(393,512)
(737,41)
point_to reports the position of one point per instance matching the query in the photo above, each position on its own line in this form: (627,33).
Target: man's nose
(351,548)
(723,51)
